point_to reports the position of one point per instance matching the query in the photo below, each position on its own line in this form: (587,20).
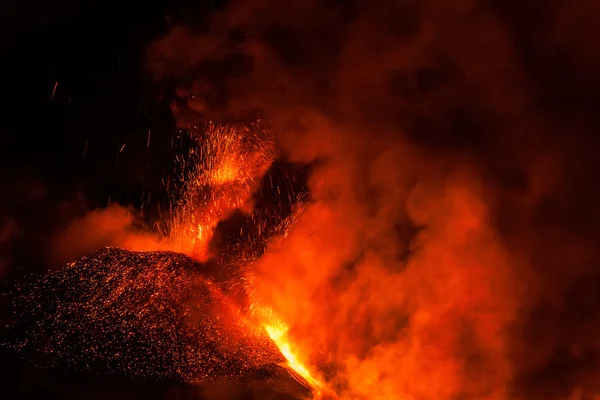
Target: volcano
(146,315)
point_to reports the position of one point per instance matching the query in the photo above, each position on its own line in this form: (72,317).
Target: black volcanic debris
(150,315)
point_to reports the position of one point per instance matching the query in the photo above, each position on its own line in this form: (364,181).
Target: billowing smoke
(62,227)
(449,250)
(116,225)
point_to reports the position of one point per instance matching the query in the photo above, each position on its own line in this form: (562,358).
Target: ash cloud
(457,217)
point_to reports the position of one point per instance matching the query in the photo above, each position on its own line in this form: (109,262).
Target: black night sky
(74,94)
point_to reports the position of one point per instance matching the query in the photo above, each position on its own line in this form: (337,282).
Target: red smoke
(451,230)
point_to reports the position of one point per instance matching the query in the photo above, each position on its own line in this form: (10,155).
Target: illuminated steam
(442,213)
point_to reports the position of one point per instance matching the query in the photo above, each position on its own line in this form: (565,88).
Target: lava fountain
(223,170)
(161,314)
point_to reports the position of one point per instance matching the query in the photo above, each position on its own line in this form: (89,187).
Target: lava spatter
(149,314)
(219,175)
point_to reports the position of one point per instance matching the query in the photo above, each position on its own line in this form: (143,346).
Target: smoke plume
(62,227)
(449,248)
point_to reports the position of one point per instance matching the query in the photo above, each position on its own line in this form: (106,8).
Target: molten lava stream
(221,175)
(278,332)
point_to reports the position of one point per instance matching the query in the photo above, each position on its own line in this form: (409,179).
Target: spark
(146,314)
(54,90)
(220,173)
(162,301)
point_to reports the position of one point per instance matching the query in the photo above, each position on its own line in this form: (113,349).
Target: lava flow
(164,314)
(221,175)
(153,315)
(278,332)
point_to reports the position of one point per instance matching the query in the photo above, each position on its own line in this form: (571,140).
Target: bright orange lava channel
(278,332)
(221,177)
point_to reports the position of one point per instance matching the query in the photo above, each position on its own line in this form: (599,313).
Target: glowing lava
(278,332)
(219,176)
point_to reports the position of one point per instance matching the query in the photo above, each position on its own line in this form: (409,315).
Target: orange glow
(278,332)
(351,316)
(220,176)
(366,326)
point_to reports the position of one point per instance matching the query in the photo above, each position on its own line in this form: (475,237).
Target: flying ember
(222,173)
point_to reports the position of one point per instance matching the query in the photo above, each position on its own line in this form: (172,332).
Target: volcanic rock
(149,315)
